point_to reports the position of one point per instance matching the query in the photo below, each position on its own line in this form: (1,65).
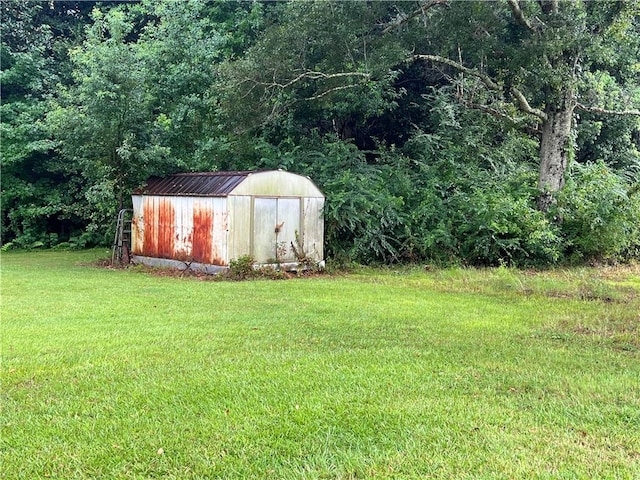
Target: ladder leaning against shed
(122,239)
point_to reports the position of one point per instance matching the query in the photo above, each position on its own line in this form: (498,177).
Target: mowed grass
(376,374)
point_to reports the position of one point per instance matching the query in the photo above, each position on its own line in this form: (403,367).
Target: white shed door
(276,221)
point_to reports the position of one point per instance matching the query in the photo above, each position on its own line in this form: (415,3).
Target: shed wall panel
(264,248)
(313,228)
(137,226)
(202,242)
(239,226)
(288,229)
(220,235)
(158,214)
(182,228)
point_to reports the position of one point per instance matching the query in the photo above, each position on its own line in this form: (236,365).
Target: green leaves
(103,121)
(421,122)
(600,214)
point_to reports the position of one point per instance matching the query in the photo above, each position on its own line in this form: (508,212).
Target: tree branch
(421,9)
(521,100)
(488,81)
(604,111)
(523,104)
(312,75)
(331,90)
(501,115)
(491,111)
(519,15)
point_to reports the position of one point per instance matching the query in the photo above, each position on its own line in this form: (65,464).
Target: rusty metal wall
(263,216)
(189,229)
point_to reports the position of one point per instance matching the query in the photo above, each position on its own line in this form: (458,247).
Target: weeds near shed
(305,262)
(241,268)
(245,268)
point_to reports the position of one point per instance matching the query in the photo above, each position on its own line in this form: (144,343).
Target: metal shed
(205,220)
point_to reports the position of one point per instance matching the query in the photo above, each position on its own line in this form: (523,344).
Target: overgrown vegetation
(429,146)
(382,373)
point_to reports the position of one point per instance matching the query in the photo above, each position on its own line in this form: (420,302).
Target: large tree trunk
(555,147)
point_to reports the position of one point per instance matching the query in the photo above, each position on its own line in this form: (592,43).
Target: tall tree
(38,196)
(546,59)
(181,48)
(104,121)
(533,64)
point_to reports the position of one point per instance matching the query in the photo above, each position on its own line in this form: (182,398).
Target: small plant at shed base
(244,268)
(241,268)
(305,262)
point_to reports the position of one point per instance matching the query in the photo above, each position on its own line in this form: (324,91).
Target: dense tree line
(474,132)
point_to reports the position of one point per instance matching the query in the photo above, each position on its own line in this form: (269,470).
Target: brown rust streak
(149,243)
(202,246)
(167,227)
(159,228)
(136,227)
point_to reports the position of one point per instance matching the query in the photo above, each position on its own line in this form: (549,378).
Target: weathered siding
(263,245)
(239,226)
(288,228)
(313,228)
(268,215)
(219,254)
(158,214)
(182,228)
(202,241)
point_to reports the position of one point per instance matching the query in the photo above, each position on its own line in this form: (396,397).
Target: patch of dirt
(260,274)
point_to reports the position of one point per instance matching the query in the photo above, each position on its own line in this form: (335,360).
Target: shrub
(600,214)
(241,268)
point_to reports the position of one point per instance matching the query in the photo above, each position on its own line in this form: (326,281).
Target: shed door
(275,224)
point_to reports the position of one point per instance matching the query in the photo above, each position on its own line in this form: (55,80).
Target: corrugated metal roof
(206,184)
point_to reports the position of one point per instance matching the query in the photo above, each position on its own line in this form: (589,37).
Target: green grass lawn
(406,373)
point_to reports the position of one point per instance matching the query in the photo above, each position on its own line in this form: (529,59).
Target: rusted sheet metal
(212,218)
(185,229)
(209,184)
(220,249)
(209,238)
(202,243)
(158,215)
